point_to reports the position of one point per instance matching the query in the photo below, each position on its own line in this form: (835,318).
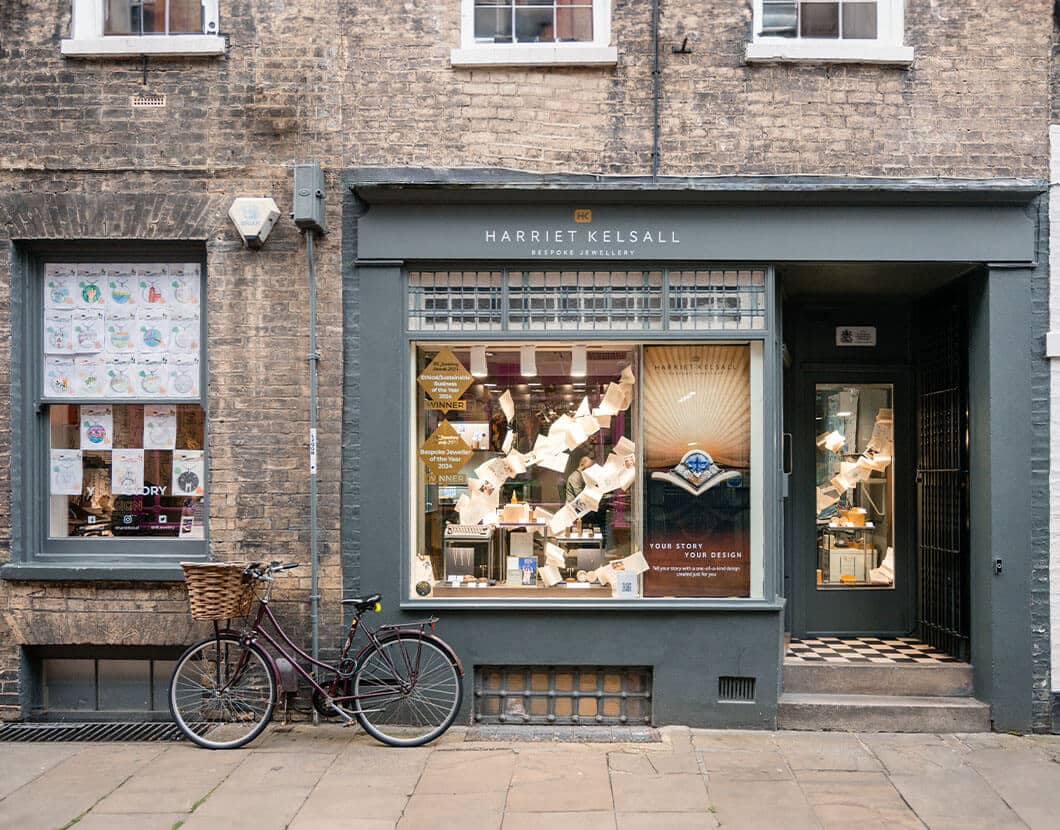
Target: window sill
(91,571)
(794,51)
(646,605)
(175,45)
(535,54)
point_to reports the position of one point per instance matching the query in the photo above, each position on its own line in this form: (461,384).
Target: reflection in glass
(533,21)
(152,17)
(855,485)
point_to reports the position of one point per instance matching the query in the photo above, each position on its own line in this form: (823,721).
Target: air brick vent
(145,101)
(736,689)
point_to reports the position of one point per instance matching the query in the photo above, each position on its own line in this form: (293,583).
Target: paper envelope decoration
(550,575)
(554,555)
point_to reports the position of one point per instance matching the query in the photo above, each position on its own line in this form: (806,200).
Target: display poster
(160,427)
(444,380)
(445,453)
(97,428)
(127,472)
(65,472)
(188,473)
(697,453)
(142,321)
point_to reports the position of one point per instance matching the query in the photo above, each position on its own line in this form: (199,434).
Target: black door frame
(856,611)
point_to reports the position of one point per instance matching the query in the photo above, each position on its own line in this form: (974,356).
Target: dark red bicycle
(404,685)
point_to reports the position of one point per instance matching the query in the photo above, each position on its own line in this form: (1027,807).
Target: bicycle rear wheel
(222,693)
(407,691)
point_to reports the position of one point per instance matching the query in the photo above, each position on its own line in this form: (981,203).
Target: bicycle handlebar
(259,570)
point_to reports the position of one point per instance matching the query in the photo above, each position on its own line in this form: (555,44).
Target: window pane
(859,20)
(126,470)
(185,17)
(534,25)
(121,17)
(526,481)
(125,685)
(154,16)
(494,24)
(68,685)
(779,19)
(574,23)
(820,20)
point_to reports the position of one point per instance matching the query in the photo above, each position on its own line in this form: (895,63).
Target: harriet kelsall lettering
(586,236)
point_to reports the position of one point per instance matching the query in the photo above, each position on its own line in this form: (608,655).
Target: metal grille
(145,101)
(455,301)
(585,300)
(942,475)
(736,689)
(586,695)
(717,300)
(88,732)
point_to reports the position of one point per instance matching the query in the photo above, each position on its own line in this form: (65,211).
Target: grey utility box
(308,213)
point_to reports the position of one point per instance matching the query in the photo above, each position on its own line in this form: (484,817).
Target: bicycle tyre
(394,708)
(237,713)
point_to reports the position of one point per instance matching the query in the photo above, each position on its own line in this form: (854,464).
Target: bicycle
(404,685)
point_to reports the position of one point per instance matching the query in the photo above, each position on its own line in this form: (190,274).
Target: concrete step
(936,680)
(881,713)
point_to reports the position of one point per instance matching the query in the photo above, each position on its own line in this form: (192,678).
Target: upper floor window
(143,27)
(841,31)
(535,33)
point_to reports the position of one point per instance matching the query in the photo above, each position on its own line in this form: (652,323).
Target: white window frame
(598,52)
(88,41)
(887,48)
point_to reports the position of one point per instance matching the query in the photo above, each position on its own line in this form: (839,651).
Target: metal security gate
(942,471)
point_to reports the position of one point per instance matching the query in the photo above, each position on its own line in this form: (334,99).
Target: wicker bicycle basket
(218,590)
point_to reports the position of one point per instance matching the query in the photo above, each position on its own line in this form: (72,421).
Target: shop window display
(532,481)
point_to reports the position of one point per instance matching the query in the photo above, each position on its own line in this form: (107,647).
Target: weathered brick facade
(350,83)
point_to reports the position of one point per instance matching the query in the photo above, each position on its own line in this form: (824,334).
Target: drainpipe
(655,91)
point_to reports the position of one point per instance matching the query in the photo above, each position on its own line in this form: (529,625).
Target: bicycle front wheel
(222,693)
(407,691)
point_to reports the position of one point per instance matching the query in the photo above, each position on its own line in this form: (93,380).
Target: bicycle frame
(279,639)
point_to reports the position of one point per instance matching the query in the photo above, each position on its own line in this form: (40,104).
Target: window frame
(87,39)
(35,555)
(887,48)
(597,52)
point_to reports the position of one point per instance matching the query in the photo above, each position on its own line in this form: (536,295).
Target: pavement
(302,777)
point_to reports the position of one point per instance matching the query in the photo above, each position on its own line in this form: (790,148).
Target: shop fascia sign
(584,240)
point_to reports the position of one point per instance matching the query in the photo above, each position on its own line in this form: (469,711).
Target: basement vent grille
(88,732)
(736,689)
(148,101)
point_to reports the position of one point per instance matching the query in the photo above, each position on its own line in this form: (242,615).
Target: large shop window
(124,447)
(588,470)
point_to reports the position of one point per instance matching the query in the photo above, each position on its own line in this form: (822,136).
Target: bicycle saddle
(363,603)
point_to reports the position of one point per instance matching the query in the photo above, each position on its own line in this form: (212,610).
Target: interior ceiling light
(478,361)
(527,361)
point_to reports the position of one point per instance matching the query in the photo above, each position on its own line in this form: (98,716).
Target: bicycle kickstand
(346,719)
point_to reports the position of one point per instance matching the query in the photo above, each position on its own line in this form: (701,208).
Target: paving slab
(437,811)
(266,791)
(958,797)
(669,763)
(189,773)
(634,762)
(760,804)
(129,821)
(910,753)
(759,765)
(1028,782)
(669,821)
(21,763)
(467,772)
(678,793)
(71,787)
(560,782)
(737,740)
(826,750)
(856,799)
(580,820)
(339,796)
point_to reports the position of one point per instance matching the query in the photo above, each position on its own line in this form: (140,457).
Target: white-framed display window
(534,33)
(123,426)
(832,31)
(586,470)
(143,27)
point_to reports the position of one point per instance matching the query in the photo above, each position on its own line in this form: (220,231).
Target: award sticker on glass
(187,473)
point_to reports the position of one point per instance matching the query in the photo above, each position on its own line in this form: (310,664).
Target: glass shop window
(592,471)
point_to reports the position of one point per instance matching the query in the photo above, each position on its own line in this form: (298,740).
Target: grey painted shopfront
(832,251)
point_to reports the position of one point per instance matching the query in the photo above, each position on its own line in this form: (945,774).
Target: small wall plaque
(855,335)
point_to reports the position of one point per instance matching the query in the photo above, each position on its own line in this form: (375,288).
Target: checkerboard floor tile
(906,650)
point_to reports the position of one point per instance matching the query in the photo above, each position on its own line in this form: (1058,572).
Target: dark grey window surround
(33,555)
(769,601)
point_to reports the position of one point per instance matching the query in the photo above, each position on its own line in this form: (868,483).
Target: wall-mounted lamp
(578,362)
(253,217)
(478,361)
(528,361)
